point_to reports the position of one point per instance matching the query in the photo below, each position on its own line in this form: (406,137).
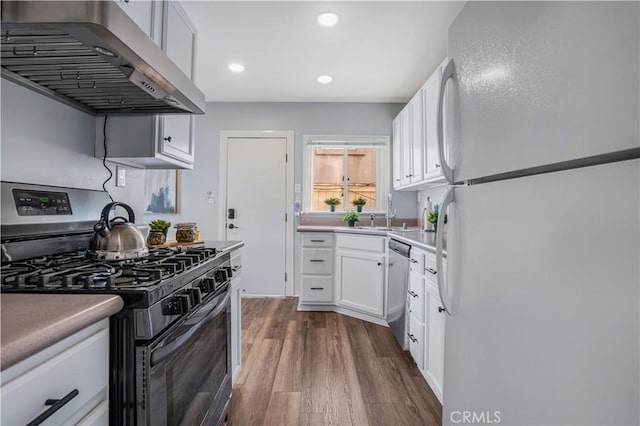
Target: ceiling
(379,51)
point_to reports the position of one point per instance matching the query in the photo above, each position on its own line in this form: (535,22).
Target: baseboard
(344,311)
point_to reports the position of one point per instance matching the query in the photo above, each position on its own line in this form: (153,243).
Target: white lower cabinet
(74,370)
(360,273)
(434,363)
(236,316)
(316,279)
(360,281)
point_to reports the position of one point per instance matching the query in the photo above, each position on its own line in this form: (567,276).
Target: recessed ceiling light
(236,67)
(327,19)
(325,79)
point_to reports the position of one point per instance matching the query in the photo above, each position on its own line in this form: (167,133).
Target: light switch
(211,197)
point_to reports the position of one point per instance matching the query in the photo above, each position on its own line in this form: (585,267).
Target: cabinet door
(177,137)
(405,146)
(397,152)
(434,367)
(417,138)
(141,12)
(431,91)
(360,281)
(416,341)
(417,296)
(179,38)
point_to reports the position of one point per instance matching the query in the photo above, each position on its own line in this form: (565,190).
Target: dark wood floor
(323,368)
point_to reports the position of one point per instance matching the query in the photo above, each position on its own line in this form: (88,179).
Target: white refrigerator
(540,139)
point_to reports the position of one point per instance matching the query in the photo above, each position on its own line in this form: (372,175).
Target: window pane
(328,175)
(362,177)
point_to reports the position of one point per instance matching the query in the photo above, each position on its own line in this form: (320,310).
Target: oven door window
(189,368)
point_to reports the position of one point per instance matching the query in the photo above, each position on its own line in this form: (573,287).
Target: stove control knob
(207,285)
(194,296)
(221,275)
(177,305)
(229,270)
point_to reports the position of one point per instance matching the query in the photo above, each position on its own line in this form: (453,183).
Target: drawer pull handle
(412,337)
(317,241)
(431,271)
(412,294)
(441,309)
(55,404)
(317,288)
(316,260)
(413,261)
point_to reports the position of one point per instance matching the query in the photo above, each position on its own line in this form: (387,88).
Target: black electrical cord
(104,157)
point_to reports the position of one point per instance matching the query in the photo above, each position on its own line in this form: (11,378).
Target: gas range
(170,345)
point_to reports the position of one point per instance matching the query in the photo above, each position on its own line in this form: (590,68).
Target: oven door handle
(162,352)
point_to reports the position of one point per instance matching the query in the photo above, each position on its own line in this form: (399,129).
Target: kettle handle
(104,216)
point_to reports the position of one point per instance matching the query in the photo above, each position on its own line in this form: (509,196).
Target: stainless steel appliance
(543,240)
(397,288)
(170,346)
(116,238)
(93,57)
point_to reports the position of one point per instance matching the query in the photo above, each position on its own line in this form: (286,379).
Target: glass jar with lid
(186,232)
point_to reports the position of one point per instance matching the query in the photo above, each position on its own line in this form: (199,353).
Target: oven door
(188,380)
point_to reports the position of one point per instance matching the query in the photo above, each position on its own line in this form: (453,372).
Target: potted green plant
(433,218)
(351,217)
(359,202)
(160,224)
(332,202)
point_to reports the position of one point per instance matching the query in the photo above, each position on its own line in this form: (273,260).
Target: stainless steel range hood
(92,56)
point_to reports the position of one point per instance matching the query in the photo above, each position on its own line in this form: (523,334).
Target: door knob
(232,226)
(440,309)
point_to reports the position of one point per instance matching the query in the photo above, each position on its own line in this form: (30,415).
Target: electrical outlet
(121,174)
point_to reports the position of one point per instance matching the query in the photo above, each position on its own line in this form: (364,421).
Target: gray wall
(302,118)
(46,142)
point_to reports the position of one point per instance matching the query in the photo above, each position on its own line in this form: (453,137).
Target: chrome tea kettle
(117,238)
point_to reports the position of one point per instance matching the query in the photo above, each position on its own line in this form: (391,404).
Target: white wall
(46,142)
(302,118)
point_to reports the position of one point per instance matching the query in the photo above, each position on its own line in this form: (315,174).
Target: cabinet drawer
(317,261)
(416,297)
(317,240)
(416,341)
(430,264)
(83,367)
(362,243)
(416,260)
(317,289)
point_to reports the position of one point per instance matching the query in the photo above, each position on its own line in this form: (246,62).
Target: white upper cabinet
(160,141)
(416,109)
(416,138)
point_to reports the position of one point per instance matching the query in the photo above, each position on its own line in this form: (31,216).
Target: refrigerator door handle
(448,199)
(448,73)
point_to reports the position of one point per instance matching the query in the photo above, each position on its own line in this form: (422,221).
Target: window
(346,168)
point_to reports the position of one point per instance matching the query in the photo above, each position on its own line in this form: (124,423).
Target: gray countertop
(414,236)
(33,322)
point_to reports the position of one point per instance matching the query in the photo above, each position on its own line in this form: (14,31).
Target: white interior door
(256,191)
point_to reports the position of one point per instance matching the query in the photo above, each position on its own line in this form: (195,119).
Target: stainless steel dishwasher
(397,290)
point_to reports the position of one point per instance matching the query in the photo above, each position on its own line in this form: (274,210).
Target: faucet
(371,217)
(391,213)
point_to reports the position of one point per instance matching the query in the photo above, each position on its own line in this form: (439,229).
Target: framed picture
(161,191)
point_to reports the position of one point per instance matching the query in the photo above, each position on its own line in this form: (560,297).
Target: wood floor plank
(283,409)
(290,366)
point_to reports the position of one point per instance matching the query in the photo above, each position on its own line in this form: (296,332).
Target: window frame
(383,168)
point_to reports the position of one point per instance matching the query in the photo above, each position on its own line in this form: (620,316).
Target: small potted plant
(359,202)
(351,217)
(332,203)
(160,224)
(433,218)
